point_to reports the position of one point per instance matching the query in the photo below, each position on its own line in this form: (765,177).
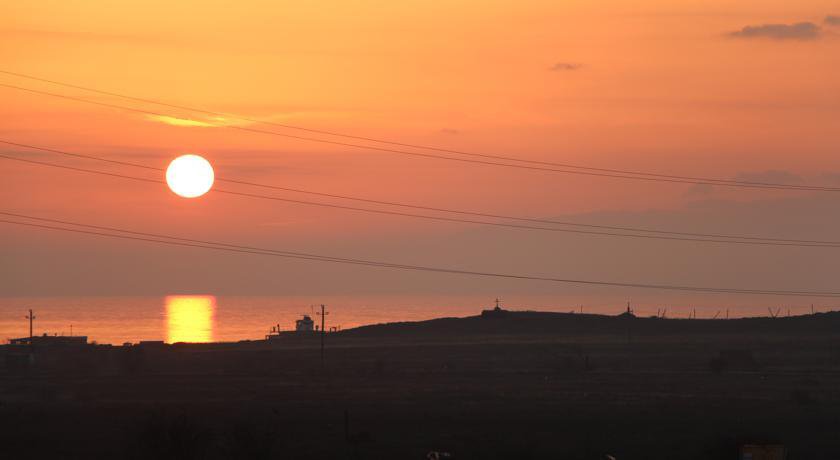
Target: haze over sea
(204,318)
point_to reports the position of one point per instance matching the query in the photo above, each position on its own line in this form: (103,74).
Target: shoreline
(538,324)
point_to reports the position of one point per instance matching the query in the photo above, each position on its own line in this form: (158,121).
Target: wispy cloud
(771,176)
(798,31)
(220,121)
(832,20)
(208,122)
(564,66)
(174,121)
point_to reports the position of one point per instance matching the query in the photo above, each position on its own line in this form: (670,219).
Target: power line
(363,138)
(425,208)
(768,242)
(175,241)
(586,171)
(431,208)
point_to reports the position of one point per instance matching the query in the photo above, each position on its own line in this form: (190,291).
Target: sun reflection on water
(190,318)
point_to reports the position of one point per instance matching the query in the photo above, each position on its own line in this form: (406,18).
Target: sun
(190,176)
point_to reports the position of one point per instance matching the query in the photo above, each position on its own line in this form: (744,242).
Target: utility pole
(323,314)
(31,318)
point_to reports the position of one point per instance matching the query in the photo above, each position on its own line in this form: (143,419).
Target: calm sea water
(207,318)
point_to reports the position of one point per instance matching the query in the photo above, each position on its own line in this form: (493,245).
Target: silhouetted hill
(549,323)
(512,385)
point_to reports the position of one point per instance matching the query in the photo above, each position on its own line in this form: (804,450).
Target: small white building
(305,324)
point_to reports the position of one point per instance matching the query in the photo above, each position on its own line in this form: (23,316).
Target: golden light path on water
(190,318)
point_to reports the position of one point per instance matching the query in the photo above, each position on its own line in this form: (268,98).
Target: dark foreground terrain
(516,386)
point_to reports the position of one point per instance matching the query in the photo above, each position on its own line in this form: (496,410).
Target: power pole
(31,318)
(323,314)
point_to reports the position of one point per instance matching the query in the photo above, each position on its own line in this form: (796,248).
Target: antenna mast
(31,318)
(323,314)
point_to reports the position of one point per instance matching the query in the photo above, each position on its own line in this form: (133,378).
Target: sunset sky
(742,90)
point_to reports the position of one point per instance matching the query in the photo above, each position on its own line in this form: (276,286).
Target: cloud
(564,66)
(220,121)
(449,131)
(832,20)
(209,122)
(798,31)
(772,176)
(174,121)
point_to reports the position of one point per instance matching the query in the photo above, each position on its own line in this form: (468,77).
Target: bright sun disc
(189,176)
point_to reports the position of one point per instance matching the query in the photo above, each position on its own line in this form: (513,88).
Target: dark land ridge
(506,385)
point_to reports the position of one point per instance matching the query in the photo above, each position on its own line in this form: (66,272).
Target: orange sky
(644,85)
